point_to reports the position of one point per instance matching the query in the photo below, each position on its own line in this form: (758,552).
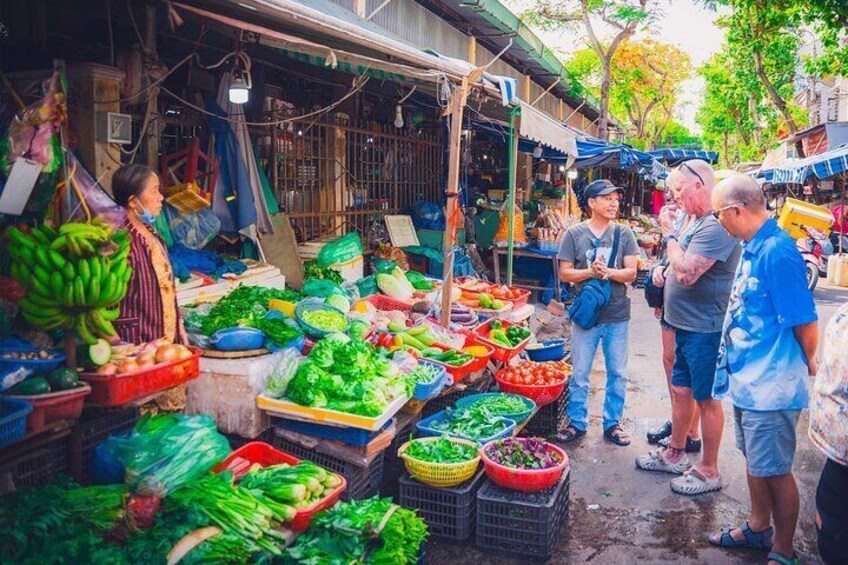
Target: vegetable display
(424,374)
(312,270)
(502,404)
(347,377)
(395,285)
(443,450)
(350,532)
(326,320)
(279,330)
(244,306)
(128,358)
(448,357)
(522,453)
(299,486)
(539,374)
(507,337)
(463,315)
(472,422)
(75,277)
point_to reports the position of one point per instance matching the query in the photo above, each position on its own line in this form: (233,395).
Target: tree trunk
(726,154)
(603,118)
(776,99)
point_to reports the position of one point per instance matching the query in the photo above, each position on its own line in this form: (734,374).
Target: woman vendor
(149,310)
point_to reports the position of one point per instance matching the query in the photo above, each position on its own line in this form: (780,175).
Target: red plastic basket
(516,302)
(383,302)
(117,390)
(502,353)
(257,452)
(54,407)
(460,372)
(524,480)
(540,394)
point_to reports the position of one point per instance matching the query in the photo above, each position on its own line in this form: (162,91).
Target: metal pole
(510,209)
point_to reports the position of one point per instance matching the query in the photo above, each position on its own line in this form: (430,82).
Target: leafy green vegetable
(442,450)
(502,404)
(425,374)
(279,330)
(472,422)
(347,534)
(243,307)
(349,377)
(419,281)
(326,320)
(312,270)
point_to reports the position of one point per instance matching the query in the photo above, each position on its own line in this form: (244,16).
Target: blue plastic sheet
(184,260)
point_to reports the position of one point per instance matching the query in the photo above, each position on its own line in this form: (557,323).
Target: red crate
(117,390)
(54,407)
(257,452)
(502,353)
(460,372)
(516,302)
(524,480)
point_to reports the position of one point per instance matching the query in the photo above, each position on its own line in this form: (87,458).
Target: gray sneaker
(654,461)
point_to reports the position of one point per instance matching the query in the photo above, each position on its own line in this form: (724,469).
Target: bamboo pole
(457,108)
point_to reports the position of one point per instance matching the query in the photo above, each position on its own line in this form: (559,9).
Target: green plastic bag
(321,288)
(383,266)
(367,286)
(342,250)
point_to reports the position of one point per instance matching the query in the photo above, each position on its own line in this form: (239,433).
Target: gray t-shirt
(580,247)
(701,307)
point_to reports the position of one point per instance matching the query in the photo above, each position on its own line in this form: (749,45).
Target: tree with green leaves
(645,78)
(623,17)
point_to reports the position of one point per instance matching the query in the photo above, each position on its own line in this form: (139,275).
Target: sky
(684,24)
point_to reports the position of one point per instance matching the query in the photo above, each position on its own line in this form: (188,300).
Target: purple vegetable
(523,453)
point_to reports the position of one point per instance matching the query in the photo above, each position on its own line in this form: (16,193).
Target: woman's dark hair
(129,181)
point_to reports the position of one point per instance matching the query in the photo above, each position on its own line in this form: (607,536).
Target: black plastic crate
(449,512)
(549,418)
(42,466)
(393,466)
(236,441)
(524,525)
(362,482)
(94,427)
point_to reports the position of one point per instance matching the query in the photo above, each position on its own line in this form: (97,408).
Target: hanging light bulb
(572,174)
(562,168)
(240,83)
(537,151)
(398,117)
(239,90)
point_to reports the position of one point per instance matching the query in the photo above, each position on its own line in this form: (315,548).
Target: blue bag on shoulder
(594,296)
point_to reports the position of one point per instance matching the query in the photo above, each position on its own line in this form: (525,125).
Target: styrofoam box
(352,270)
(225,390)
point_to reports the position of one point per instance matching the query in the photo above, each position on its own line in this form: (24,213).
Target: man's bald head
(699,168)
(742,190)
(692,184)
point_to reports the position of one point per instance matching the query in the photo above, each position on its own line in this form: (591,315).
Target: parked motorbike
(815,249)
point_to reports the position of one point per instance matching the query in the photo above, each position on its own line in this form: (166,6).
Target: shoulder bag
(595,296)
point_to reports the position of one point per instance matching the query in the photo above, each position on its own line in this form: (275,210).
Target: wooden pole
(457,107)
(511,181)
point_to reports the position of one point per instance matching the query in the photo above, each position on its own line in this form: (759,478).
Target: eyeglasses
(689,168)
(717,213)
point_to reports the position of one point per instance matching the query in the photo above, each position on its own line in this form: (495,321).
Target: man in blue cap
(587,254)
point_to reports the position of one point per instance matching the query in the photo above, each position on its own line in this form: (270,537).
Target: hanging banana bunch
(75,277)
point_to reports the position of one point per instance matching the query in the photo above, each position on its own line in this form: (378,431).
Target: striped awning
(822,166)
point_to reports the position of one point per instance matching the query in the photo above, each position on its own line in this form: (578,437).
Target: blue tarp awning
(822,166)
(673,157)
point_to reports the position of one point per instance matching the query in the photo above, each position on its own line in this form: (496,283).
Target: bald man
(768,349)
(701,265)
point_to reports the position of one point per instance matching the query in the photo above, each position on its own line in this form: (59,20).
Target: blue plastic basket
(425,430)
(426,391)
(13,415)
(37,366)
(349,436)
(313,304)
(237,339)
(552,350)
(519,417)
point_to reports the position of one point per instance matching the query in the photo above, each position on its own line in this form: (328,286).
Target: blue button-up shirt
(761,364)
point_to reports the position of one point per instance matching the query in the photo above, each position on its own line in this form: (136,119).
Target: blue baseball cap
(601,187)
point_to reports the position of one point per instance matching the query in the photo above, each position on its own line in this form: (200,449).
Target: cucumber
(431,352)
(395,328)
(412,342)
(100,353)
(62,379)
(31,386)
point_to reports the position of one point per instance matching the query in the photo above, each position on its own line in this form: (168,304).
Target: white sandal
(693,483)
(654,461)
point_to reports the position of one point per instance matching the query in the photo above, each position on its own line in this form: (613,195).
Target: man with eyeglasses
(768,349)
(697,282)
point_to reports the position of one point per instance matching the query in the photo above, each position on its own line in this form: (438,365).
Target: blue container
(237,339)
(37,366)
(426,391)
(296,343)
(13,416)
(425,430)
(553,350)
(349,436)
(519,417)
(312,304)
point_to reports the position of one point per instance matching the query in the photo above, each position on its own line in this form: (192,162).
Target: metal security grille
(332,176)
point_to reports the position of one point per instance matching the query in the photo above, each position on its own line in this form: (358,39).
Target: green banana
(57,259)
(57,284)
(68,295)
(96,267)
(83,271)
(93,292)
(69,272)
(42,275)
(19,237)
(99,324)
(40,238)
(79,292)
(42,258)
(84,332)
(42,301)
(110,315)
(86,247)
(49,231)
(42,289)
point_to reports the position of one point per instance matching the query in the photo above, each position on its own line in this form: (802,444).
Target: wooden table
(496,255)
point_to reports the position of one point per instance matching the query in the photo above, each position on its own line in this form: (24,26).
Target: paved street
(637,517)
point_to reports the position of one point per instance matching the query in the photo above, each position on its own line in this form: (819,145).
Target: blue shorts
(696,355)
(767,439)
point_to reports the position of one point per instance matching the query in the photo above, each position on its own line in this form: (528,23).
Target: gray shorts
(767,439)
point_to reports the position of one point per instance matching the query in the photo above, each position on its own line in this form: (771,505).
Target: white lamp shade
(239,91)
